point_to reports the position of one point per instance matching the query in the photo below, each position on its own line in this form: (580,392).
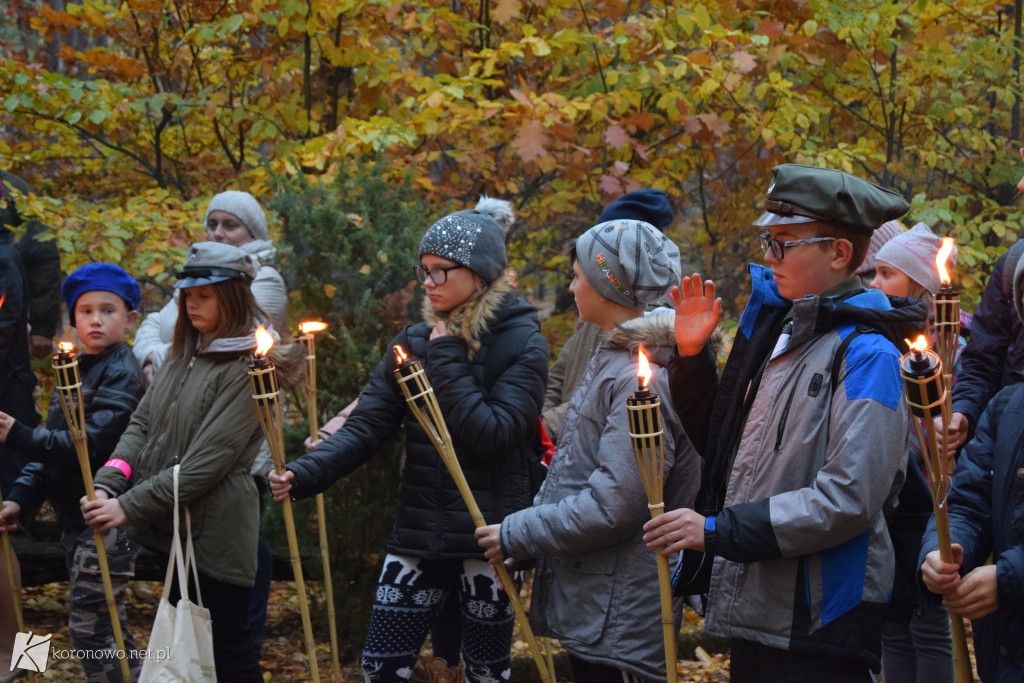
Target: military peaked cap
(801,194)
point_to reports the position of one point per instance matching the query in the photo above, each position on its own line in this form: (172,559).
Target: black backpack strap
(1013,255)
(840,354)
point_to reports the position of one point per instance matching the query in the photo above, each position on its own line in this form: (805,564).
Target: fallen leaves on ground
(284,650)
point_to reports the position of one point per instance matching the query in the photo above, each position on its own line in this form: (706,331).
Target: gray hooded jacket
(596,586)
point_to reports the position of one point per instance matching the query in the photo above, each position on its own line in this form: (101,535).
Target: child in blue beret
(102,300)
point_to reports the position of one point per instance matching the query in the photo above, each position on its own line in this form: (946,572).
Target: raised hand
(697,314)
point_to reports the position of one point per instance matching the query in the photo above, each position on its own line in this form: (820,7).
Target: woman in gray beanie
(482,350)
(234,218)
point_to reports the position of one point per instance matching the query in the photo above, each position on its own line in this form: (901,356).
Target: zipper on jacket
(170,408)
(785,410)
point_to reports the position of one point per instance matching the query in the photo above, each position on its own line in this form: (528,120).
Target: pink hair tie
(121,465)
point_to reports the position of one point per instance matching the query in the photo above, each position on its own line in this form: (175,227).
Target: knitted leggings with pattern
(410,592)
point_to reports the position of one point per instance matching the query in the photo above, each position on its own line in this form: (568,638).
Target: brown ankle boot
(438,671)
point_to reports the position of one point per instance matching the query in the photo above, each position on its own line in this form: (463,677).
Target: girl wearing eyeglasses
(482,350)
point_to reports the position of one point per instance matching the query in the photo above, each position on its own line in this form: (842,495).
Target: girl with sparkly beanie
(481,348)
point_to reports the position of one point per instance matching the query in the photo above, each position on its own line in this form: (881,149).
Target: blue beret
(647,205)
(100,276)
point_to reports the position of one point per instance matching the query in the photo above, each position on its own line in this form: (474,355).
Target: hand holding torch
(68,385)
(266,395)
(419,395)
(646,434)
(308,329)
(928,398)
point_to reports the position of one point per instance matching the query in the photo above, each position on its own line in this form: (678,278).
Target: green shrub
(346,250)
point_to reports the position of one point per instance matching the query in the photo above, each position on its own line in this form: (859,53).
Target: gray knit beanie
(914,252)
(243,205)
(474,238)
(629,262)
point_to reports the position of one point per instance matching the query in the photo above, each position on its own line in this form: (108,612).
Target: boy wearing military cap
(101,300)
(804,439)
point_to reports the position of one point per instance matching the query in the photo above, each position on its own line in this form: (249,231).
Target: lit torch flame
(643,372)
(312,327)
(919,344)
(66,347)
(400,356)
(2,297)
(264,341)
(941,257)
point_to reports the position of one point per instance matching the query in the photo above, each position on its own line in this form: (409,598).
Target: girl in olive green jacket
(199,413)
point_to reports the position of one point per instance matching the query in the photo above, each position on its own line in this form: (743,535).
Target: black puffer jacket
(112,386)
(489,376)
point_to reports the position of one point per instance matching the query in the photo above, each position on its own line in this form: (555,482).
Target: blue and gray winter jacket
(800,468)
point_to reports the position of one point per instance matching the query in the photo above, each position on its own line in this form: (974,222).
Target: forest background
(356,123)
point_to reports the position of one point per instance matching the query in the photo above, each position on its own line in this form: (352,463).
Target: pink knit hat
(885,232)
(914,252)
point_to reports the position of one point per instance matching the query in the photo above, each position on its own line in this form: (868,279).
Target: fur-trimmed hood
(472,320)
(655,329)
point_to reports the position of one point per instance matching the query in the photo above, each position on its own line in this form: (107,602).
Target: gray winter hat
(630,263)
(474,238)
(209,262)
(243,205)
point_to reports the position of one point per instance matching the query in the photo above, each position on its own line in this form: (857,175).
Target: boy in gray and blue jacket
(804,439)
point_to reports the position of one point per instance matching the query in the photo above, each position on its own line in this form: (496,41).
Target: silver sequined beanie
(629,262)
(245,207)
(474,238)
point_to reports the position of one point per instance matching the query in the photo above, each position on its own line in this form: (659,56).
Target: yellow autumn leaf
(329,290)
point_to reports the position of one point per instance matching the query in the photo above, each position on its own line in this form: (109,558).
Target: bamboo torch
(265,394)
(928,397)
(419,394)
(8,552)
(646,435)
(68,385)
(308,329)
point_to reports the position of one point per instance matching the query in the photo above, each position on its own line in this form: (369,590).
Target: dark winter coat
(491,400)
(112,386)
(796,517)
(986,517)
(994,350)
(39,257)
(16,377)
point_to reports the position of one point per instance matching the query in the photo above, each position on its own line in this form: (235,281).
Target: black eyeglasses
(778,248)
(439,275)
